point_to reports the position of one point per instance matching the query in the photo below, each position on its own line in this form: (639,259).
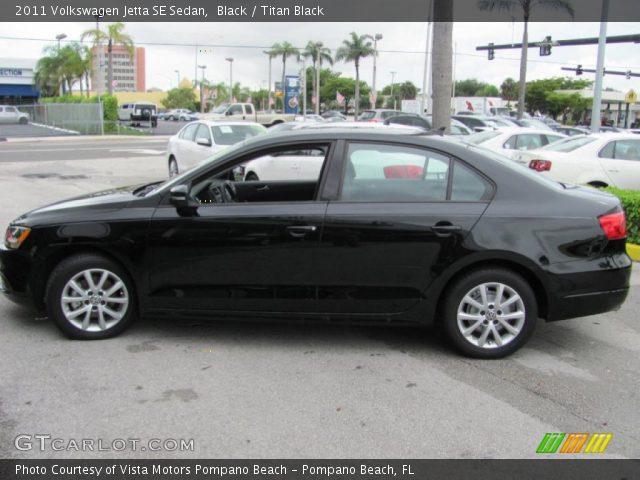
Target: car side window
(249,109)
(529,141)
(189,132)
(11,109)
(235,110)
(608,150)
(388,173)
(203,132)
(468,186)
(511,143)
(627,150)
(1,109)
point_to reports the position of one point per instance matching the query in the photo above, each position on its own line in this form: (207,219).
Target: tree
(318,54)
(526,7)
(509,90)
(347,88)
(352,50)
(180,98)
(442,63)
(284,50)
(47,76)
(537,98)
(113,35)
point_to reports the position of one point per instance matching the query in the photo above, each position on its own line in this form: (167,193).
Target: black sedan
(395,227)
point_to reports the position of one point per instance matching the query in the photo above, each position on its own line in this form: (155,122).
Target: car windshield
(221,108)
(569,144)
(230,134)
(481,137)
(367,115)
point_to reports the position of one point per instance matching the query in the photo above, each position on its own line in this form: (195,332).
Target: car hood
(105,201)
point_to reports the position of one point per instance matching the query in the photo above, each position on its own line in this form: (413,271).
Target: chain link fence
(71,118)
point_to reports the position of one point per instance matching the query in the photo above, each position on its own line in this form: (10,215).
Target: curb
(633,251)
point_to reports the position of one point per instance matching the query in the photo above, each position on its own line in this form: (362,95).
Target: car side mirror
(179,197)
(205,142)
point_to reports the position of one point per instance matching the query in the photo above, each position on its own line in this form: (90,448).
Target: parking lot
(289,391)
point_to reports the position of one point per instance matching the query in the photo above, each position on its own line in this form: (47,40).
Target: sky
(401,50)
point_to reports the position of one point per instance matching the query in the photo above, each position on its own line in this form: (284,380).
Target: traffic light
(579,70)
(491,52)
(545,47)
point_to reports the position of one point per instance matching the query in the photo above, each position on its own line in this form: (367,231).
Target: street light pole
(597,88)
(230,60)
(427,63)
(377,36)
(393,74)
(304,90)
(202,67)
(269,84)
(178,73)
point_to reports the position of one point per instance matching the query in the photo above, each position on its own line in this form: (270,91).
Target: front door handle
(299,231)
(445,228)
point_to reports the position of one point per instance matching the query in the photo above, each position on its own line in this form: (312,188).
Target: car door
(398,221)
(620,160)
(186,145)
(257,254)
(200,149)
(3,115)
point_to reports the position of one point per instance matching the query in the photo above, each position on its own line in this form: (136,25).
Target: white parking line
(146,151)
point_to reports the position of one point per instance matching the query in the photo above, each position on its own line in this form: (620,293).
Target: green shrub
(631,203)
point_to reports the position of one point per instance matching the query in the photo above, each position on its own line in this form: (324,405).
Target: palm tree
(47,75)
(318,54)
(352,50)
(284,49)
(509,90)
(113,35)
(526,6)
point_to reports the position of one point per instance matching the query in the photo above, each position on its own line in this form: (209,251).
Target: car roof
(214,123)
(519,130)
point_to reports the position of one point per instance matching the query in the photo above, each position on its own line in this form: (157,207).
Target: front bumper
(14,276)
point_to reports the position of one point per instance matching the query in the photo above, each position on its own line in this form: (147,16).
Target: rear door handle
(445,228)
(299,231)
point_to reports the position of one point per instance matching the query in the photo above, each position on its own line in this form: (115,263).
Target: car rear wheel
(90,297)
(173,167)
(23,121)
(490,313)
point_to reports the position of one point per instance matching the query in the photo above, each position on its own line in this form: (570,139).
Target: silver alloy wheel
(173,168)
(94,300)
(491,315)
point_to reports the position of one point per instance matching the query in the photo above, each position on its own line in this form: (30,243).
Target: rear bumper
(593,287)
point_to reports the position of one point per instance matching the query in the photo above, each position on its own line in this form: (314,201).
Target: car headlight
(15,236)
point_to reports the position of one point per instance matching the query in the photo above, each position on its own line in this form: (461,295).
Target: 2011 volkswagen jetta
(399,228)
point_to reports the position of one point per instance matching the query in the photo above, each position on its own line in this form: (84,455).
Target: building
(17,81)
(614,108)
(128,74)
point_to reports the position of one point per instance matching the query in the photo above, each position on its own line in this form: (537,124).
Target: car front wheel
(90,297)
(490,313)
(173,167)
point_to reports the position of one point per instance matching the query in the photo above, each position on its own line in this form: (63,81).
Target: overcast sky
(399,49)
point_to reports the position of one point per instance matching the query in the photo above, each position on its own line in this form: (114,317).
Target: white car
(10,114)
(510,141)
(599,160)
(197,141)
(292,165)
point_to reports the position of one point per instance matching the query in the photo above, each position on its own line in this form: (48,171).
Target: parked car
(11,114)
(570,131)
(180,114)
(378,115)
(246,112)
(477,123)
(397,229)
(598,160)
(138,112)
(334,116)
(533,123)
(457,128)
(509,141)
(197,141)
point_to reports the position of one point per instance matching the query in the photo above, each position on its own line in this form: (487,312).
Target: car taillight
(614,225)
(540,165)
(373,120)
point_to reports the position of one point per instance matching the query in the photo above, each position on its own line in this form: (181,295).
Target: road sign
(631,97)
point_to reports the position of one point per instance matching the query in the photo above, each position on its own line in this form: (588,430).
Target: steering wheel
(229,191)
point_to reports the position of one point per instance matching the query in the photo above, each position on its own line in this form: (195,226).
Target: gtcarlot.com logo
(574,443)
(45,442)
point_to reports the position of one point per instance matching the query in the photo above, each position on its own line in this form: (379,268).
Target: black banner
(543,469)
(299,11)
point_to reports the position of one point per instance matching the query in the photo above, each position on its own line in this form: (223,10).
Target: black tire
(23,121)
(251,177)
(154,123)
(173,163)
(455,301)
(57,287)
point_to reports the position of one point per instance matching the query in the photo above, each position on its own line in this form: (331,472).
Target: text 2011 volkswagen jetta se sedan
(398,228)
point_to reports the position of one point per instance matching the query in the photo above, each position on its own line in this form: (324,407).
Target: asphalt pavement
(249,390)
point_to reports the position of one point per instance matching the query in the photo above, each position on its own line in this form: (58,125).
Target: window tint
(511,143)
(607,151)
(627,150)
(11,109)
(385,115)
(551,138)
(570,144)
(386,173)
(189,132)
(235,110)
(230,134)
(468,186)
(529,141)
(367,115)
(249,109)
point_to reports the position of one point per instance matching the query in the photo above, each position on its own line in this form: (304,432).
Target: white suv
(10,114)
(138,112)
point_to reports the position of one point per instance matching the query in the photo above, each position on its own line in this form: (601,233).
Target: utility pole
(269,84)
(59,37)
(597,89)
(230,60)
(317,79)
(376,37)
(202,67)
(393,75)
(304,90)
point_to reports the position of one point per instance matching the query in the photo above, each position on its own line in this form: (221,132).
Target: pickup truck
(246,112)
